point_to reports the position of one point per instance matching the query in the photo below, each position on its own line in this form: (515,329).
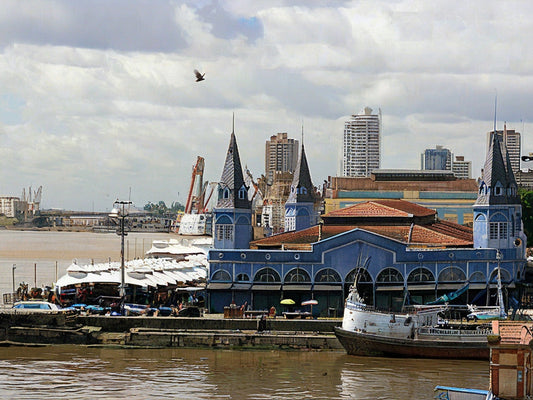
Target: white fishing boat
(418,333)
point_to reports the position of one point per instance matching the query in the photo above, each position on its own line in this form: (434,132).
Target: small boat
(480,313)
(420,333)
(454,393)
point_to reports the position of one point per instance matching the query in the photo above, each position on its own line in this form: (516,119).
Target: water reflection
(383,378)
(88,373)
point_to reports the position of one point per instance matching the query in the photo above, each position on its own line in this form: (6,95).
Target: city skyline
(98,100)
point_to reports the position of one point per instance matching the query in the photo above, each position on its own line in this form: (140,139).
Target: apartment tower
(362,144)
(281,155)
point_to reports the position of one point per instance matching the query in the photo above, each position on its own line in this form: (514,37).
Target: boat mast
(503,314)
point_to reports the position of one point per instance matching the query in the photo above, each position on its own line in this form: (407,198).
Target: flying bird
(199,76)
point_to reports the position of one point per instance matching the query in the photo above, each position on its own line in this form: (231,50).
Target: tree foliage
(526,197)
(161,209)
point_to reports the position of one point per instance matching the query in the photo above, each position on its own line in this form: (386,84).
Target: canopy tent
(145,273)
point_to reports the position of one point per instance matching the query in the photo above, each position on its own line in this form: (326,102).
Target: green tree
(161,209)
(526,197)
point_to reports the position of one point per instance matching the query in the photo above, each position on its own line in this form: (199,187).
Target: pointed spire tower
(498,211)
(300,206)
(233,228)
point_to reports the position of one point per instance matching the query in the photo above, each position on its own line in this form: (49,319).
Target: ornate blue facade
(392,268)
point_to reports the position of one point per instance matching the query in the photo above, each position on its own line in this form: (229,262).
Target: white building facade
(362,144)
(9,206)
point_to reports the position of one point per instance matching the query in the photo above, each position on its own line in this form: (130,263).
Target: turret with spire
(233,229)
(300,206)
(498,211)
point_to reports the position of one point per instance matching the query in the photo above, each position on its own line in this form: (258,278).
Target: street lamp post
(120,211)
(13,276)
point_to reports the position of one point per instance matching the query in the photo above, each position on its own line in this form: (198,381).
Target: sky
(98,99)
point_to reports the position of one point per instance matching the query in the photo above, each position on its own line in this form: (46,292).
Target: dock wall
(212,332)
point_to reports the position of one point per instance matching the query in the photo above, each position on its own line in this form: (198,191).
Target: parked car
(37,306)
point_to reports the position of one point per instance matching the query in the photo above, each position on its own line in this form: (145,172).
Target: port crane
(195,218)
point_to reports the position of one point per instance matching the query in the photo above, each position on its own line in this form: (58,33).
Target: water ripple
(87,373)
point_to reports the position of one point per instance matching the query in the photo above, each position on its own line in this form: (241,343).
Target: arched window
(327,275)
(498,227)
(267,275)
(242,192)
(221,275)
(243,278)
(364,276)
(452,274)
(478,276)
(498,189)
(421,275)
(390,275)
(505,276)
(297,275)
(226,193)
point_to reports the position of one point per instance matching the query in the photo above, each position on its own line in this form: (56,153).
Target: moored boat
(419,333)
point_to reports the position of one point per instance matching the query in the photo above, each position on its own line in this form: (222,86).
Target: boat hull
(363,344)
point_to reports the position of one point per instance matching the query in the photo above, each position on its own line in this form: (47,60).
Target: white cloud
(100,99)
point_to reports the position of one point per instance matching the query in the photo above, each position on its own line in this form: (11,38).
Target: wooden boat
(421,333)
(437,343)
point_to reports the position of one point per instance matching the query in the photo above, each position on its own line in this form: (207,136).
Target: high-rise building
(438,158)
(511,140)
(462,169)
(362,144)
(281,155)
(441,158)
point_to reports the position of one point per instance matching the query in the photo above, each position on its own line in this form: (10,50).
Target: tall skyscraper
(281,155)
(511,140)
(441,158)
(438,158)
(362,144)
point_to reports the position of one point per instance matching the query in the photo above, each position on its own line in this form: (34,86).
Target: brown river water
(78,372)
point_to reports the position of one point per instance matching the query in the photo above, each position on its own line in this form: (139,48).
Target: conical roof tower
(498,210)
(300,206)
(302,189)
(232,184)
(498,185)
(232,215)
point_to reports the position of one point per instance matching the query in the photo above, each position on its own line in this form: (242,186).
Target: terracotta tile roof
(451,228)
(427,235)
(309,235)
(383,208)
(439,234)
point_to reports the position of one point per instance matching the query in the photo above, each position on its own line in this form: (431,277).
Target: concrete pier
(209,331)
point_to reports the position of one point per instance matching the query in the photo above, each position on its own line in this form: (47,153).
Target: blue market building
(399,249)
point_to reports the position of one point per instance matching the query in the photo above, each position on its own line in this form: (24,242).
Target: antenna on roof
(302,133)
(233,127)
(495,105)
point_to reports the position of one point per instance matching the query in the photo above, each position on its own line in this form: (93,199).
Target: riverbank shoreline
(210,331)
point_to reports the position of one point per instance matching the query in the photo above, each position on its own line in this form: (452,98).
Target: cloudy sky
(98,97)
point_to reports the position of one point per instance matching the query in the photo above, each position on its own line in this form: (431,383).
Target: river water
(78,372)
